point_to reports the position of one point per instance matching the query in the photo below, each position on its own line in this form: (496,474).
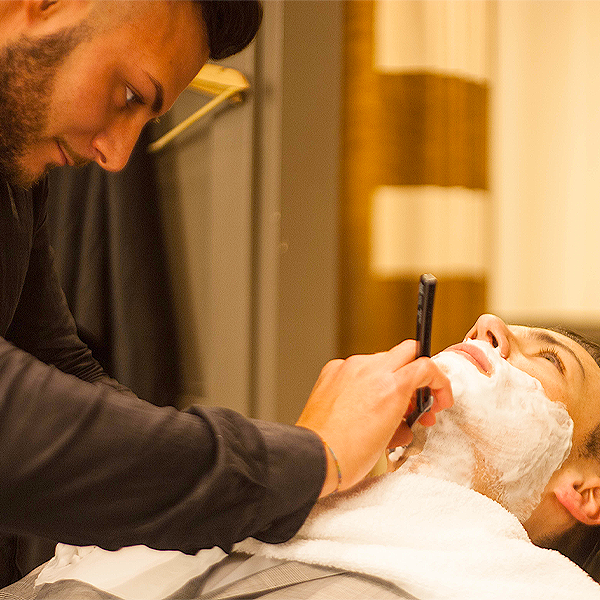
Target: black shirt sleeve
(84,463)
(42,323)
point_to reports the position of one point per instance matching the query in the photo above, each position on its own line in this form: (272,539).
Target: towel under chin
(433,538)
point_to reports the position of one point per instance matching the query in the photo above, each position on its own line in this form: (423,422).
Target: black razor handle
(427,286)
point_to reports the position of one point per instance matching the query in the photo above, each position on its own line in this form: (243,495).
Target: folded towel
(433,538)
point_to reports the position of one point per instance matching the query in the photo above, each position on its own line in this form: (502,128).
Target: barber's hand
(358,406)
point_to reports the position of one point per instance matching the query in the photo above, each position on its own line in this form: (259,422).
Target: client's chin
(503,437)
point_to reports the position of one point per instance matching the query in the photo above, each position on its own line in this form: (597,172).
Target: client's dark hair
(591,448)
(231,24)
(582,543)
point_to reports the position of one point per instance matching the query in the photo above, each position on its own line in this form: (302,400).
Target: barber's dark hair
(231,24)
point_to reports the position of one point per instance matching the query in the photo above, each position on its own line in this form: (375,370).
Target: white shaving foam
(503,437)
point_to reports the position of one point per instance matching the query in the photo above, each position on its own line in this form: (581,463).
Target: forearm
(83,464)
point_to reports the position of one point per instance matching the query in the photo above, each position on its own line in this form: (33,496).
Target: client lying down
(515,460)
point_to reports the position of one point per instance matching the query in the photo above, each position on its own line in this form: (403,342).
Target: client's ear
(579,493)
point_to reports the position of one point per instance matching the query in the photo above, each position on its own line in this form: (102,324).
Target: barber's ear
(580,495)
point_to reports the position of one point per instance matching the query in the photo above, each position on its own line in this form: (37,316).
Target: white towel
(433,538)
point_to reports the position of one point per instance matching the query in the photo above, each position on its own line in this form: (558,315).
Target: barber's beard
(27,71)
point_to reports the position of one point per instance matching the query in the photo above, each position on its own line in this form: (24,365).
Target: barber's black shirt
(83,461)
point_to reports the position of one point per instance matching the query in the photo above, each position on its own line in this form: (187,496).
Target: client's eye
(551,355)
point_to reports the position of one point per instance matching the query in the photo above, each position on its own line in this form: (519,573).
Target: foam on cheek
(503,437)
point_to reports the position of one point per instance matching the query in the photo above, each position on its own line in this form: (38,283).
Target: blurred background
(378,140)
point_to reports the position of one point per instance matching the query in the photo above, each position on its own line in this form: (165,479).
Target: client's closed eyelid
(555,358)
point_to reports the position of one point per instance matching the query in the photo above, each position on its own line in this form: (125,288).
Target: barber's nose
(492,329)
(114,146)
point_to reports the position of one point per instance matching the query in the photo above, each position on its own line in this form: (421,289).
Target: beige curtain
(415,167)
(546,175)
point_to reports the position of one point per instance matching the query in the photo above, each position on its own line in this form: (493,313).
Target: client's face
(565,369)
(568,375)
(524,426)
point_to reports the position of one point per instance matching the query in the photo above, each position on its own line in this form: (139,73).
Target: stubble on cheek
(27,72)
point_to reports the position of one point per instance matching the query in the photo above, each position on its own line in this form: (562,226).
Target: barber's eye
(131,97)
(551,355)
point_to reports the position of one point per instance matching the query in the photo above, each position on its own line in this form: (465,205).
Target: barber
(82,460)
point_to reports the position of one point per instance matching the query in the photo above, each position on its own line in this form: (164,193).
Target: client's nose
(492,329)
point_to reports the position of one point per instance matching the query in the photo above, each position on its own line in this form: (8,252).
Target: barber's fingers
(402,437)
(428,419)
(422,373)
(404,373)
(358,405)
(394,375)
(331,367)
(393,359)
(414,373)
(400,355)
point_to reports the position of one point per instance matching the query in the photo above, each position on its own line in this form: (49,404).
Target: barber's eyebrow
(159,95)
(543,336)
